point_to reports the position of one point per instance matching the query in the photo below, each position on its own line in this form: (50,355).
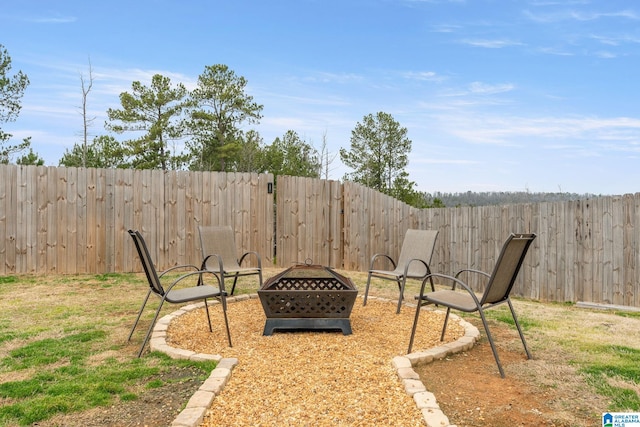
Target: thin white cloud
(278,98)
(609,41)
(561,132)
(559,3)
(577,15)
(129,75)
(119,79)
(489,89)
(606,54)
(431,161)
(325,77)
(430,76)
(446,28)
(51,19)
(283,122)
(473,94)
(491,43)
(615,40)
(558,51)
(434,1)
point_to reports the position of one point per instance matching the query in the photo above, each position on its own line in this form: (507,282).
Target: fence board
(629,245)
(71,221)
(80,208)
(9,219)
(22,222)
(635,255)
(91,223)
(618,251)
(50,224)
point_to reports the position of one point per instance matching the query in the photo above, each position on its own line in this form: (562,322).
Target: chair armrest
(254,253)
(200,273)
(376,256)
(218,257)
(470,270)
(178,267)
(406,267)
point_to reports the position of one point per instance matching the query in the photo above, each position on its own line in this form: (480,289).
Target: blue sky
(497,95)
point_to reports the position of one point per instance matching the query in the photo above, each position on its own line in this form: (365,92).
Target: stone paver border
(193,414)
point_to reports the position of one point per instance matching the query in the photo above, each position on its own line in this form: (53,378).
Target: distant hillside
(499,198)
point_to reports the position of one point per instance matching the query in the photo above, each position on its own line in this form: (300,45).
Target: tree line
(165,126)
(488,198)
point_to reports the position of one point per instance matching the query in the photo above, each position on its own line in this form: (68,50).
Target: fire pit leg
(307,323)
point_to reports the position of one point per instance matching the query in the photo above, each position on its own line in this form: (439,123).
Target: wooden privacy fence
(72,220)
(586,250)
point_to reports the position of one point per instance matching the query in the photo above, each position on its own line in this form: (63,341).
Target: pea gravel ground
(316,378)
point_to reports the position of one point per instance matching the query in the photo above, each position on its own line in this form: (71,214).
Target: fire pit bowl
(308,297)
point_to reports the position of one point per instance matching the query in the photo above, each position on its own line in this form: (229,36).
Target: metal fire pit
(308,297)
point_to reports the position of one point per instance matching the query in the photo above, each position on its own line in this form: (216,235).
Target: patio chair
(176,296)
(496,291)
(413,263)
(220,255)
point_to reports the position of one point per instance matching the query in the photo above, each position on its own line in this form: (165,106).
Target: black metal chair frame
(412,257)
(227,254)
(496,292)
(176,296)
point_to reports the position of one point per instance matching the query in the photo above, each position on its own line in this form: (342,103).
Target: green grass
(72,348)
(619,363)
(63,346)
(79,386)
(629,314)
(504,316)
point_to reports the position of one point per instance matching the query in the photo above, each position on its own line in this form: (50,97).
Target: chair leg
(139,314)
(366,289)
(444,326)
(493,346)
(401,285)
(223,300)
(415,325)
(153,322)
(220,278)
(515,319)
(235,280)
(418,309)
(206,308)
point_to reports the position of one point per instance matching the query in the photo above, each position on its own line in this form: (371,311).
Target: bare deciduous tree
(86,120)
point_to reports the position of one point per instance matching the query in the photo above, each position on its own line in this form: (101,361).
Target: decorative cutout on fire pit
(308,296)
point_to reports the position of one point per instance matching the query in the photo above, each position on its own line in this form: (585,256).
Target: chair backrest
(507,268)
(219,240)
(147,263)
(417,244)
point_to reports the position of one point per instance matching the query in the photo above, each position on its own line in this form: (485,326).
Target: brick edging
(198,405)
